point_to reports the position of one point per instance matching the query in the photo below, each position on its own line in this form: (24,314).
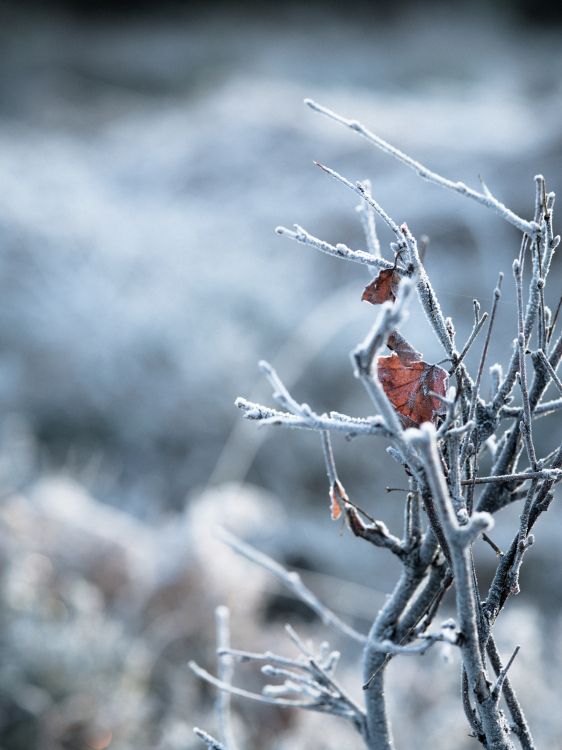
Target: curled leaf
(338,496)
(410,383)
(383,288)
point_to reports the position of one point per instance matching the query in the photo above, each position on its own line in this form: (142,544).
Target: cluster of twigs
(444,515)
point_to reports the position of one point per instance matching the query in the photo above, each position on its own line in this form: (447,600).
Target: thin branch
(293,582)
(225,670)
(526,419)
(492,544)
(541,410)
(476,388)
(501,678)
(334,422)
(323,673)
(367,216)
(485,199)
(459,539)
(521,727)
(525,539)
(242,656)
(473,334)
(375,532)
(337,493)
(469,711)
(554,320)
(280,702)
(359,189)
(338,251)
(533,302)
(428,298)
(522,476)
(501,586)
(307,675)
(211,742)
(447,634)
(551,371)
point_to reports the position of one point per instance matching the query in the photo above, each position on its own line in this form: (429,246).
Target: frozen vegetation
(144,164)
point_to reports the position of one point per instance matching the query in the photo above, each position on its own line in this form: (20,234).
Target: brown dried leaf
(338,495)
(408,382)
(383,288)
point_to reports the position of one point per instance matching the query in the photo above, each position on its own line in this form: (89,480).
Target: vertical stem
(521,727)
(225,672)
(459,540)
(378,727)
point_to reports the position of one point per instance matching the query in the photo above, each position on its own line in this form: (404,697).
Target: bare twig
(359,189)
(459,539)
(367,216)
(439,463)
(473,334)
(526,420)
(530,227)
(501,678)
(523,476)
(554,320)
(225,670)
(333,422)
(293,582)
(375,532)
(520,723)
(308,676)
(211,742)
(555,379)
(541,410)
(338,251)
(277,701)
(476,388)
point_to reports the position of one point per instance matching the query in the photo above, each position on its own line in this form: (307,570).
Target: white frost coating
(529,227)
(442,478)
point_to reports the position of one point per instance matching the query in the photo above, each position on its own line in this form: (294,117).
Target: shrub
(437,425)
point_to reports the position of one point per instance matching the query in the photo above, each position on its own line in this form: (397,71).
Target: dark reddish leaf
(383,288)
(408,382)
(402,348)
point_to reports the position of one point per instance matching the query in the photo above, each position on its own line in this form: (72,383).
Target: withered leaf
(338,496)
(383,288)
(409,382)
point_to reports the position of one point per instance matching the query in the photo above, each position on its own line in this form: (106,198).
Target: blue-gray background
(146,156)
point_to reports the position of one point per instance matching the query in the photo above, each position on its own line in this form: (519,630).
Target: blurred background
(147,152)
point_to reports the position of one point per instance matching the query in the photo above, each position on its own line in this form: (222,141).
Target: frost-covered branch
(359,189)
(225,670)
(485,199)
(541,410)
(459,539)
(446,634)
(406,240)
(332,422)
(448,502)
(338,251)
(309,677)
(211,742)
(367,216)
(551,371)
(292,580)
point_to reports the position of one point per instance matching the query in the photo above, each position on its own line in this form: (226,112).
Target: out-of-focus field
(145,160)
